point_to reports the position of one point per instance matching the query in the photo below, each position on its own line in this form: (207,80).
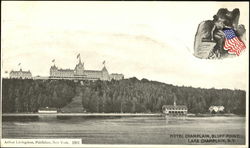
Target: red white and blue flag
(232,43)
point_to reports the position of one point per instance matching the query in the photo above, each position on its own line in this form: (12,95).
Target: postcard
(124,74)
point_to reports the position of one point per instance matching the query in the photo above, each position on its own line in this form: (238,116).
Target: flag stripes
(232,43)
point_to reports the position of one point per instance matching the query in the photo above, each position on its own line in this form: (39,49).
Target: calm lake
(130,130)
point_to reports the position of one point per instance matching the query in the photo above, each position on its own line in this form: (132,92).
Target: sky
(152,40)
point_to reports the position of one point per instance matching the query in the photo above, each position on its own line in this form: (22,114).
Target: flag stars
(232,43)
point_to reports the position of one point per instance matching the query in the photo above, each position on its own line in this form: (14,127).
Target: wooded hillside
(128,95)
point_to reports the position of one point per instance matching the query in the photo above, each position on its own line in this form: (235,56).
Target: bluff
(127,96)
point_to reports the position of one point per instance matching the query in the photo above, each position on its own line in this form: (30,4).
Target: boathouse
(175,110)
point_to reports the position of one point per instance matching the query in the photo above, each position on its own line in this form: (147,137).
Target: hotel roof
(17,72)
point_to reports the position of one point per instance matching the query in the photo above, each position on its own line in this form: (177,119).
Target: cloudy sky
(152,40)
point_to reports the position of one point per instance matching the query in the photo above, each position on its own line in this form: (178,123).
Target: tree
(128,95)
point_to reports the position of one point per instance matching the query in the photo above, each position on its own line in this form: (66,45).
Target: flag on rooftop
(232,43)
(78,55)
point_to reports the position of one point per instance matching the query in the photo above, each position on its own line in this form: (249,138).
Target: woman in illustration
(217,35)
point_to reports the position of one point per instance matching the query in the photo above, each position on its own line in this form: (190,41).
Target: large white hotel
(79,73)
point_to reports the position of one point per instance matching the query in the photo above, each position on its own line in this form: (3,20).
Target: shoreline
(216,115)
(113,115)
(87,114)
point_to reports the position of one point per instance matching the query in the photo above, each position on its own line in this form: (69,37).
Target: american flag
(232,43)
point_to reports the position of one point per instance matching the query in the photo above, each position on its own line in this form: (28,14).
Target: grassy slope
(75,106)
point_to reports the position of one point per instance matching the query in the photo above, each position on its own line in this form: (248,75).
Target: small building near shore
(216,109)
(47,110)
(175,110)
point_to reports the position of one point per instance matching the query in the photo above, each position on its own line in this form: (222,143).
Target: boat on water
(47,110)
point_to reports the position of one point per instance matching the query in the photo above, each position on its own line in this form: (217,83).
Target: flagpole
(79,57)
(53,61)
(103,63)
(19,65)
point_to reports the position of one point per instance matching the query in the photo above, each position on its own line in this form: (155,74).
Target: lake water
(130,130)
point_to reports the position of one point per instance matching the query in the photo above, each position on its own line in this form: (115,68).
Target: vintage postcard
(124,74)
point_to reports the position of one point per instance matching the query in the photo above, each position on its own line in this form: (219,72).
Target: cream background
(152,40)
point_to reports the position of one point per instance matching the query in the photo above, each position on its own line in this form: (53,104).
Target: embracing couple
(213,31)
